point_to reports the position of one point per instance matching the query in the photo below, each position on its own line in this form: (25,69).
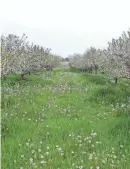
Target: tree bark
(116,80)
(23,74)
(22,77)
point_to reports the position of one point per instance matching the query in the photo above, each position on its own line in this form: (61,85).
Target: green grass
(67,120)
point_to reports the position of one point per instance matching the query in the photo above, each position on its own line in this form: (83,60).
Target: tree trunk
(116,80)
(23,74)
(22,77)
(96,71)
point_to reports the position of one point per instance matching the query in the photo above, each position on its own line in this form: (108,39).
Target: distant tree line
(18,56)
(114,60)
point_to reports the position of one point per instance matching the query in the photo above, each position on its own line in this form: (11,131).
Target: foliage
(115,60)
(20,57)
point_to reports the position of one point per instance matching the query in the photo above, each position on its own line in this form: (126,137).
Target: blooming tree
(115,60)
(12,54)
(20,57)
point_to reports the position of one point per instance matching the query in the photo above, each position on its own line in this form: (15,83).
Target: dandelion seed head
(39,150)
(43,162)
(42,156)
(41,142)
(97,167)
(47,147)
(31,160)
(27,144)
(47,153)
(33,151)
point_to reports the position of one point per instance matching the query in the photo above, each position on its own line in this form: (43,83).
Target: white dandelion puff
(43,162)
(31,160)
(39,150)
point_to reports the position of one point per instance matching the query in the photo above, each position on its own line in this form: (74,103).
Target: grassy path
(65,120)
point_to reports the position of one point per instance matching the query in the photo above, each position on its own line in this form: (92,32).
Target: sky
(66,26)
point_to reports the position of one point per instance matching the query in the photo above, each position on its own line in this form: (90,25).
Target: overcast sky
(66,26)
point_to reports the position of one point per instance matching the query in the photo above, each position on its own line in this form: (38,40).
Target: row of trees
(18,56)
(114,60)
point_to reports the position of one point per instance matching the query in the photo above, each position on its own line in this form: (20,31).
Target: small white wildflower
(89,141)
(33,151)
(84,152)
(79,136)
(31,160)
(43,162)
(123,155)
(42,156)
(39,150)
(93,134)
(112,161)
(103,161)
(113,148)
(122,105)
(47,153)
(97,167)
(33,164)
(80,167)
(47,147)
(27,144)
(90,156)
(114,157)
(40,142)
(73,164)
(59,149)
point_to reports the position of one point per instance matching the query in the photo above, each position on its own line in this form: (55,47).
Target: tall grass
(67,120)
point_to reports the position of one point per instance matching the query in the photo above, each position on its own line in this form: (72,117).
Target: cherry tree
(117,56)
(114,60)
(14,55)
(20,57)
(76,61)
